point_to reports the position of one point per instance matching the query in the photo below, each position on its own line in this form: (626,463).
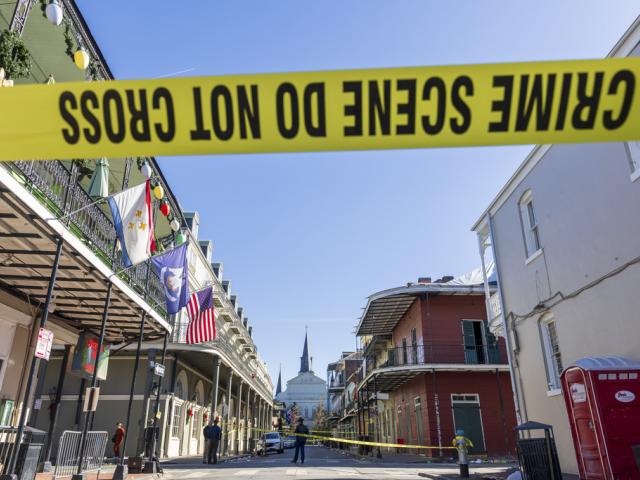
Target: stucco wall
(587,211)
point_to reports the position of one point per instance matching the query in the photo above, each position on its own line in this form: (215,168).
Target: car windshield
(272,436)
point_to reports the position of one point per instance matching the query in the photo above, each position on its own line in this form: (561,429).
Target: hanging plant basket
(14,55)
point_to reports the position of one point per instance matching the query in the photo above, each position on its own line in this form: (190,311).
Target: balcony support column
(56,405)
(94,382)
(215,379)
(227,423)
(436,403)
(35,362)
(378,436)
(238,417)
(152,465)
(247,421)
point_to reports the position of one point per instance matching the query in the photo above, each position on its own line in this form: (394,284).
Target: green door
(466,416)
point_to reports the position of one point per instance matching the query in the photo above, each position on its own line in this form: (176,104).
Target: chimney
(424,280)
(217,270)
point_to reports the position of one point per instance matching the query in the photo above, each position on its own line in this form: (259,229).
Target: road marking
(245,473)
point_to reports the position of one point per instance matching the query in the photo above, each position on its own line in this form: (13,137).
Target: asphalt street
(321,463)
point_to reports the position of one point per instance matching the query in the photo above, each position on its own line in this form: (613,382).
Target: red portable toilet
(602,395)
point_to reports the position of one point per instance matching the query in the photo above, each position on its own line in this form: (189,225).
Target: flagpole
(78,210)
(102,199)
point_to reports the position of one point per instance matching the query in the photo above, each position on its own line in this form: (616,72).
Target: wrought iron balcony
(336,385)
(437,353)
(56,186)
(223,343)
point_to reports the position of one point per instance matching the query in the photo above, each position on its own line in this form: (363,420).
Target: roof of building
(385,308)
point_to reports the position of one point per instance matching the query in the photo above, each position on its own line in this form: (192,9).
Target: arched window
(179,392)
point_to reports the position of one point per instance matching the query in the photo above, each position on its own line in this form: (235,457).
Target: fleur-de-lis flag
(133,220)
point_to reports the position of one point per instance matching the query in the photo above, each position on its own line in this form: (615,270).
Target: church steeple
(305,364)
(279,385)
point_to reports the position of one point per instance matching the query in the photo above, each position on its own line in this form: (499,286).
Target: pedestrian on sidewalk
(212,434)
(216,432)
(301,431)
(206,433)
(117,439)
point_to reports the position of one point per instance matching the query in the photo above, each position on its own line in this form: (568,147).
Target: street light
(54,12)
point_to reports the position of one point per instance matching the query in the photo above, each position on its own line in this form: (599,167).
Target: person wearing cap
(301,431)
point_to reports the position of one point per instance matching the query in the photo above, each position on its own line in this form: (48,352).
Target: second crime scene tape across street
(416,107)
(362,442)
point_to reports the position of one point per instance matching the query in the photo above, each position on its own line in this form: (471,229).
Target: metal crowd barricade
(30,454)
(7,444)
(68,448)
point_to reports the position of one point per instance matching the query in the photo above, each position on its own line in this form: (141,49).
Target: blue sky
(305,238)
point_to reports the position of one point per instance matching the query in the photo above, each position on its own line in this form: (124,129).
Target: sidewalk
(499,468)
(193,460)
(106,473)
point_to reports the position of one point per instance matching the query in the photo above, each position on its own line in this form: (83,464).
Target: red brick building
(432,367)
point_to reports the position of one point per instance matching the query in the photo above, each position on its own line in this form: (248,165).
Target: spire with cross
(305,362)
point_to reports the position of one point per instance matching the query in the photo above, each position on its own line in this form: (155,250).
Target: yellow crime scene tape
(363,442)
(393,108)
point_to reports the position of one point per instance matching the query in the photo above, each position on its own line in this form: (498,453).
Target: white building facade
(564,233)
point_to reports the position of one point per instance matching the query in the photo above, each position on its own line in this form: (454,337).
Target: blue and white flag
(173,271)
(133,220)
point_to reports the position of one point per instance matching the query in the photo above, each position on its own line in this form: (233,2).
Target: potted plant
(15,58)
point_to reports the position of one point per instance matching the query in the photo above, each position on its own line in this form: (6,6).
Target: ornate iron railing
(56,186)
(223,343)
(437,353)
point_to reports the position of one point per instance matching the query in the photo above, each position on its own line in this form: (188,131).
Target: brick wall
(497,414)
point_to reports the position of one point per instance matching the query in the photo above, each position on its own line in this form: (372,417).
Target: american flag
(202,323)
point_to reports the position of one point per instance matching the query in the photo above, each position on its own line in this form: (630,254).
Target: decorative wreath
(14,55)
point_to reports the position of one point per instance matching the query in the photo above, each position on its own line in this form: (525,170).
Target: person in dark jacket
(212,435)
(301,430)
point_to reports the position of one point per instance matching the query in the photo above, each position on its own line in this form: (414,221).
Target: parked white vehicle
(270,441)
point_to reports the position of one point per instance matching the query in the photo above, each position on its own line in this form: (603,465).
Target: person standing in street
(117,439)
(300,431)
(216,435)
(206,433)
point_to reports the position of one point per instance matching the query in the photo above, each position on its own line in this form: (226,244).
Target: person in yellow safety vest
(462,443)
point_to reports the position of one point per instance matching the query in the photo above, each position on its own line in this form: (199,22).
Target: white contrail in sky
(175,73)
